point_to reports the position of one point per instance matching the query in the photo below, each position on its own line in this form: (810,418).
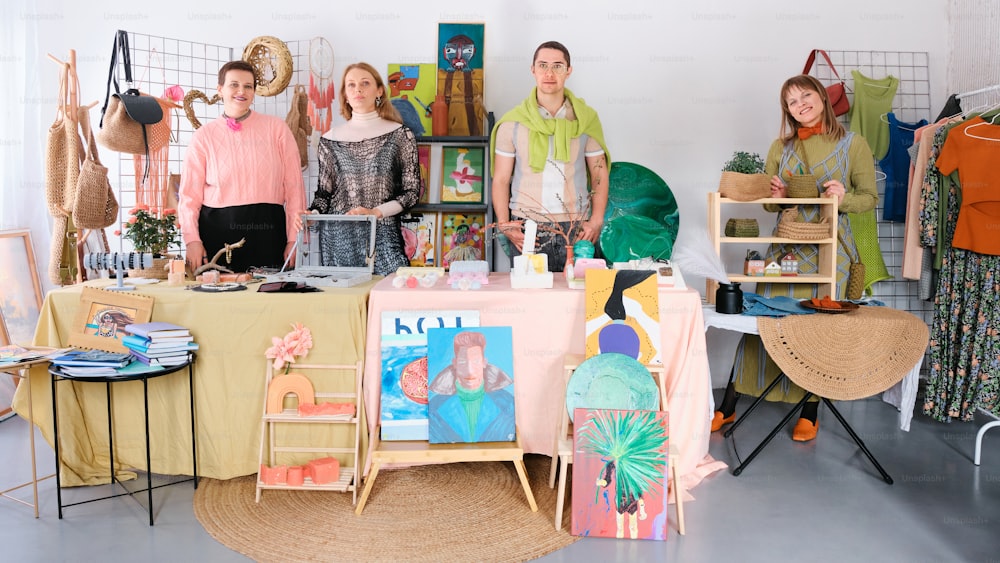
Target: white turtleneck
(361,127)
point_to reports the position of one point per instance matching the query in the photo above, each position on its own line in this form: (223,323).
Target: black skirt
(261,224)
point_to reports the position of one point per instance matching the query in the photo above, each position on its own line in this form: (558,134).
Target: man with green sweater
(550,163)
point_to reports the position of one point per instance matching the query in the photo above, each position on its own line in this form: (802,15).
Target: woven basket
(159,270)
(802,185)
(790,227)
(744,187)
(742,228)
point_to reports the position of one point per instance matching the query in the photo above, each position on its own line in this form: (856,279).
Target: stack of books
(90,363)
(159,343)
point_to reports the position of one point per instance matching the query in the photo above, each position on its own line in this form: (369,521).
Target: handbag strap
(857,255)
(91,145)
(812,59)
(120,44)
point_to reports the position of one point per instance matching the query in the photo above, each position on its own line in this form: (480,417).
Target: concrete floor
(818,501)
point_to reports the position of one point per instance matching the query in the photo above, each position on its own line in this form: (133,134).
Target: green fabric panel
(865,228)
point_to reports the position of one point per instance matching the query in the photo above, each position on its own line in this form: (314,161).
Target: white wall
(679,86)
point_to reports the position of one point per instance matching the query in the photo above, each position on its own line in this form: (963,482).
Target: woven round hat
(849,356)
(272,62)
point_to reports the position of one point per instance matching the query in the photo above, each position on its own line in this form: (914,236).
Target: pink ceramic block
(273,475)
(324,470)
(296,475)
(326,408)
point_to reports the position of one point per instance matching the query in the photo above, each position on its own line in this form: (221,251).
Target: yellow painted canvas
(623,314)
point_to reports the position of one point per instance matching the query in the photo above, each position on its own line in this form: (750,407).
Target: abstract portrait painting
(471,385)
(620,462)
(460,76)
(623,314)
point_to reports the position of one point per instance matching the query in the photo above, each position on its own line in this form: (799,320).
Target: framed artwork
(462,175)
(21,293)
(420,238)
(620,460)
(411,91)
(623,314)
(103,315)
(462,237)
(424,158)
(404,368)
(470,385)
(460,76)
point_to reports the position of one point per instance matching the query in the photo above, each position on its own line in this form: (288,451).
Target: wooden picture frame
(102,316)
(21,299)
(462,174)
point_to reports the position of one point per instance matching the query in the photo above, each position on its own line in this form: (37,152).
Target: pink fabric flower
(233,124)
(295,344)
(174,93)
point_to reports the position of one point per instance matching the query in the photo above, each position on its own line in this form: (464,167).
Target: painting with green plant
(620,474)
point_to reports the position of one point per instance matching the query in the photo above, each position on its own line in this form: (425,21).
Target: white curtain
(25,115)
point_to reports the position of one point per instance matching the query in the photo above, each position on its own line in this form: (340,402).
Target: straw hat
(849,356)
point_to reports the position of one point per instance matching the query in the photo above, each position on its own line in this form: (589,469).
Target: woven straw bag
(95,206)
(62,153)
(298,122)
(742,228)
(855,273)
(801,185)
(744,187)
(790,227)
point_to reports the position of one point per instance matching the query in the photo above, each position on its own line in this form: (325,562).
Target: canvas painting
(623,314)
(411,91)
(471,385)
(460,76)
(424,159)
(420,238)
(620,463)
(462,237)
(404,368)
(462,175)
(20,289)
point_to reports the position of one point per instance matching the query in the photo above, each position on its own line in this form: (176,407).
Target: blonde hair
(790,127)
(385,109)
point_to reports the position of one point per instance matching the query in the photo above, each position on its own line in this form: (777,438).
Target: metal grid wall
(911,104)
(161,62)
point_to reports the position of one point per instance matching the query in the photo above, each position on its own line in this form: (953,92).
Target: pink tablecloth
(547,325)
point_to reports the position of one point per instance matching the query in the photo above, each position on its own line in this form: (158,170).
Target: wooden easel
(412,452)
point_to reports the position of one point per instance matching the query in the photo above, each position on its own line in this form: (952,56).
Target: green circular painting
(612,381)
(642,217)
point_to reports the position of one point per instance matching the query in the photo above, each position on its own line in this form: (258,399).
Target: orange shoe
(805,430)
(719,420)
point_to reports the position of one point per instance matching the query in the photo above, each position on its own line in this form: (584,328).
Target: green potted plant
(743,177)
(152,233)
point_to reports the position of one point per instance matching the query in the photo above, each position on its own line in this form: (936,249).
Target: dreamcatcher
(321,88)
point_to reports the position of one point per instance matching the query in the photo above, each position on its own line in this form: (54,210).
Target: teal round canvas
(611,381)
(642,218)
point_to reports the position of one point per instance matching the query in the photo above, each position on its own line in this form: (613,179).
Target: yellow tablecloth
(233,330)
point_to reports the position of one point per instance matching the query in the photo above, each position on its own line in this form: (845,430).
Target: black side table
(58,375)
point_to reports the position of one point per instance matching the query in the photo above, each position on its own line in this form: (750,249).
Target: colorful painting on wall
(623,314)
(420,238)
(404,368)
(462,237)
(21,297)
(462,175)
(620,460)
(411,91)
(460,76)
(471,385)
(424,159)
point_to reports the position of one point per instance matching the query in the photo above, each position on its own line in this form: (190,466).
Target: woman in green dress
(811,141)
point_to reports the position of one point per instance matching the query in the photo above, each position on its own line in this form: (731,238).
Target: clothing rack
(979,91)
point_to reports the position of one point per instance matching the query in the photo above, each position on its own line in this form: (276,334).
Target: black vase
(729,298)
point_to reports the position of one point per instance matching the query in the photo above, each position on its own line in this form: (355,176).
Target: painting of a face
(458,51)
(470,364)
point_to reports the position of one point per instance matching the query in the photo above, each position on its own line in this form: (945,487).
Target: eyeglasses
(556,68)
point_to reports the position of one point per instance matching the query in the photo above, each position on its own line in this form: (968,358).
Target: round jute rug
(456,511)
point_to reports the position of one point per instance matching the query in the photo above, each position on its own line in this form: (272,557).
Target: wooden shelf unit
(348,480)
(826,279)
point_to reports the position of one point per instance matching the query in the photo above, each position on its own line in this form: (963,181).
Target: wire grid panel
(911,104)
(161,62)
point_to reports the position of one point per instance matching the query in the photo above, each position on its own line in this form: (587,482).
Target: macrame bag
(855,273)
(126,115)
(95,206)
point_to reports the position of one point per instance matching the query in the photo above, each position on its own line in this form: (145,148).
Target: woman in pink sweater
(241,178)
